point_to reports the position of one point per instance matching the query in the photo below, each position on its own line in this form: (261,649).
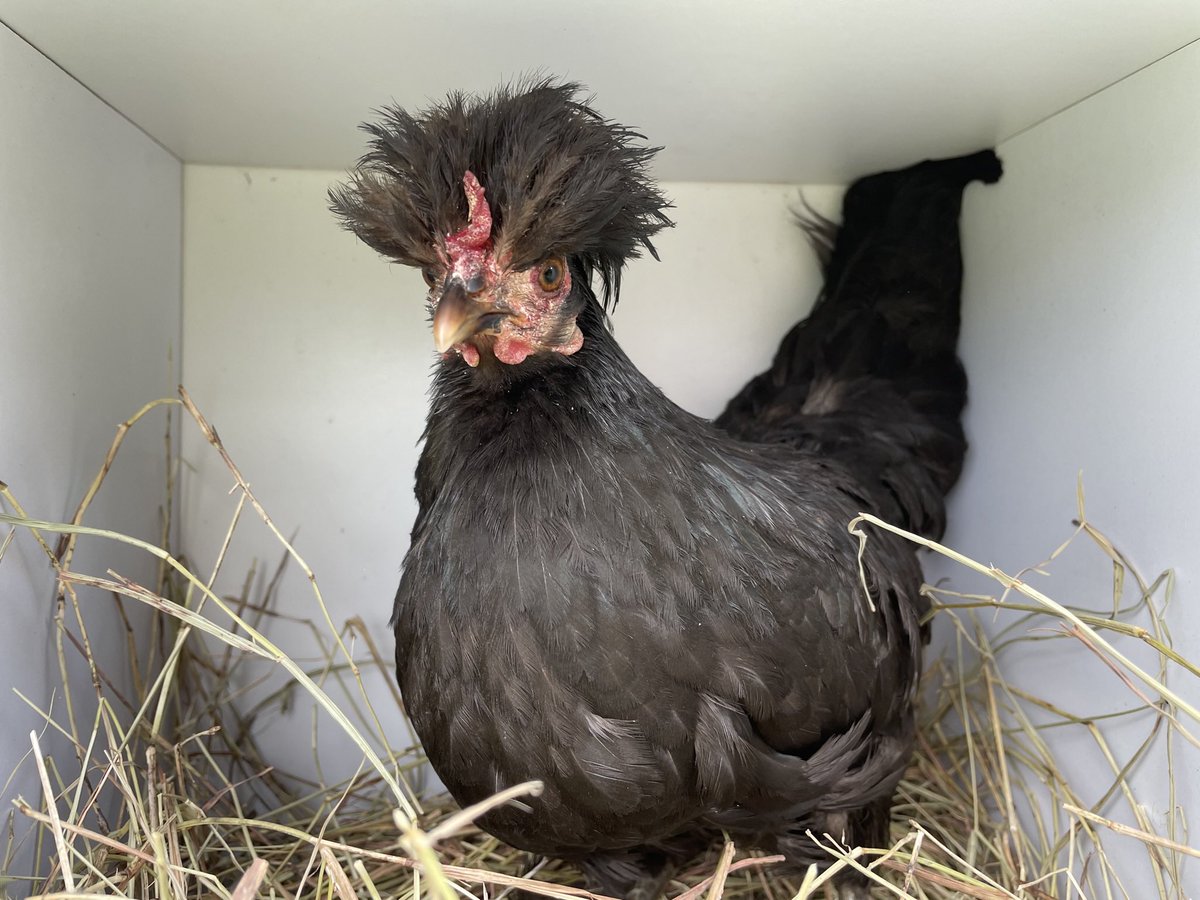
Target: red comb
(478,230)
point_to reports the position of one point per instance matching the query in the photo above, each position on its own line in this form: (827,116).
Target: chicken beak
(458,316)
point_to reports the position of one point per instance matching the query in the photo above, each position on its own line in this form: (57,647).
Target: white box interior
(125,269)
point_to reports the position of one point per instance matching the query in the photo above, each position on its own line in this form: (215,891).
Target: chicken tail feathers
(914,209)
(872,376)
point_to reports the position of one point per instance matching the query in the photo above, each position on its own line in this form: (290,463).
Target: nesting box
(164,221)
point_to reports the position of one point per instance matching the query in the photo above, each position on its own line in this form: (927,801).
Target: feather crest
(560,178)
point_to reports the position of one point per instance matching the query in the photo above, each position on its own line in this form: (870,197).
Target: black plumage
(661,618)
(559,177)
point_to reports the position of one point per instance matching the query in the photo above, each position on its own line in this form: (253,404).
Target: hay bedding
(171,797)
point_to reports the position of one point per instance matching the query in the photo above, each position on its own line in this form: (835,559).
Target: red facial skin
(471,250)
(534,322)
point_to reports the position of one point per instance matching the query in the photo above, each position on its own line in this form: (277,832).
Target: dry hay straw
(170,796)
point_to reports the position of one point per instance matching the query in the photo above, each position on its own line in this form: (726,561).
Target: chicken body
(661,618)
(663,624)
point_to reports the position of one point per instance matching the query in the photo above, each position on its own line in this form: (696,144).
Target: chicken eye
(429,273)
(550,277)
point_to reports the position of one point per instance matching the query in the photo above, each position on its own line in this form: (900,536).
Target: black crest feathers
(559,178)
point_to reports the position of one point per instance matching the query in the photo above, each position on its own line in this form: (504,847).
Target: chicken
(661,618)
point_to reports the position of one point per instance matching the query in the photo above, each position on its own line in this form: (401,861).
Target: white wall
(312,355)
(89,315)
(1082,310)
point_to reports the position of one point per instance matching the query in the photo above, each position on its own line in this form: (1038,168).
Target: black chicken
(661,618)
